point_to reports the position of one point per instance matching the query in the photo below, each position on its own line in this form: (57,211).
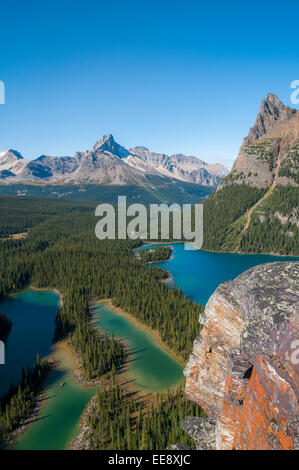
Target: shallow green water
(57,423)
(150,366)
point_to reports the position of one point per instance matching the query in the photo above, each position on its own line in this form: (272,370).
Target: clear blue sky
(173,76)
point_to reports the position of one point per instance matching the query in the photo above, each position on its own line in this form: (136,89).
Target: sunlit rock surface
(244,368)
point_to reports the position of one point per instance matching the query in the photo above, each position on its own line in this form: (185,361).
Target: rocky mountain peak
(108,144)
(269,154)
(105,143)
(10,154)
(272,110)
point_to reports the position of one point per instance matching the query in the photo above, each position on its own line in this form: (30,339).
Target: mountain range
(256,206)
(108,163)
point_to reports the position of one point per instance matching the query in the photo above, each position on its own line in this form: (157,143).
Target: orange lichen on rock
(269,407)
(244,368)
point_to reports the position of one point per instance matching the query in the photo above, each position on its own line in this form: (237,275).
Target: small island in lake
(157,254)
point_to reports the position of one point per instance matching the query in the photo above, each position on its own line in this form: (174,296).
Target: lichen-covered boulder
(244,368)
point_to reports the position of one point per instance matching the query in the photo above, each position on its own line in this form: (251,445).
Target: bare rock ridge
(244,368)
(271,111)
(108,163)
(270,152)
(179,166)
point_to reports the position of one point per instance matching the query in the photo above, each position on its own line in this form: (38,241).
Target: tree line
(17,404)
(120,422)
(159,253)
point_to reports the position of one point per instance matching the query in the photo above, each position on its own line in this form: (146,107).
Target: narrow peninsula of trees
(119,422)
(17,404)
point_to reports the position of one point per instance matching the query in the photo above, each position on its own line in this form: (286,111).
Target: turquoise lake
(149,365)
(198,273)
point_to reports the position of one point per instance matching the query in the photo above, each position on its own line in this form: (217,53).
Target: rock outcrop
(270,152)
(244,368)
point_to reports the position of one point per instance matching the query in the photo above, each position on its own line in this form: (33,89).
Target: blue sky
(172,76)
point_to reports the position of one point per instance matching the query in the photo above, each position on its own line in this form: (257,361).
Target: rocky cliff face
(270,151)
(244,368)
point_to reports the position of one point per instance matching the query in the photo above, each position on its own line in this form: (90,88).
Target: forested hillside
(273,227)
(156,191)
(20,399)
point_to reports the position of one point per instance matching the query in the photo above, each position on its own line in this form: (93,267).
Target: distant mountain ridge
(108,163)
(179,166)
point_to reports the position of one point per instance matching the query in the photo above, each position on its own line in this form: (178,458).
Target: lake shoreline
(16,435)
(156,261)
(37,289)
(153,333)
(78,374)
(49,289)
(279,255)
(40,398)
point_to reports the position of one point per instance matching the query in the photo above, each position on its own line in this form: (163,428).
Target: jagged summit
(269,154)
(272,110)
(108,144)
(274,100)
(11,164)
(10,154)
